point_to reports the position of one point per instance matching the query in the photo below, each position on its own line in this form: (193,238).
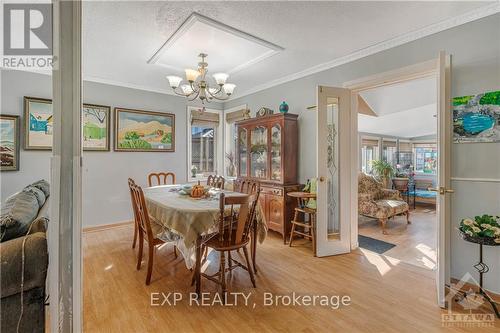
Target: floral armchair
(378,202)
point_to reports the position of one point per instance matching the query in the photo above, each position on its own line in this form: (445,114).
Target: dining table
(187,221)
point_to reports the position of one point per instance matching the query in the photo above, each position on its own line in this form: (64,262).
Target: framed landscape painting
(137,130)
(37,123)
(476,118)
(95,127)
(9,143)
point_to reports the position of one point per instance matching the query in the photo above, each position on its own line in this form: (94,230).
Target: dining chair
(148,228)
(249,186)
(161,178)
(216,181)
(233,234)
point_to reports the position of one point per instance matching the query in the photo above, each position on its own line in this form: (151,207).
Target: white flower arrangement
(486,226)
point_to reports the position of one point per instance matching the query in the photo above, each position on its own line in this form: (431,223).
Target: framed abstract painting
(9,143)
(96,127)
(146,131)
(476,118)
(37,123)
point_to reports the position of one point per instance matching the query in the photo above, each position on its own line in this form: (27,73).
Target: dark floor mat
(374,245)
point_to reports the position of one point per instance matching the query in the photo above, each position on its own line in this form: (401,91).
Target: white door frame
(438,68)
(65,227)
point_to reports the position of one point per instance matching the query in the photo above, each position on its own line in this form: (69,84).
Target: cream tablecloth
(187,217)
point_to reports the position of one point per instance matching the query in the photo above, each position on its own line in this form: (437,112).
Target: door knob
(441,190)
(322,179)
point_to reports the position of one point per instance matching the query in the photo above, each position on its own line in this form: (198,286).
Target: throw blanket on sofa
(20,209)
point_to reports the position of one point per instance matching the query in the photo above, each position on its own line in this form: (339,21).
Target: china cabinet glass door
(242,149)
(276,152)
(258,152)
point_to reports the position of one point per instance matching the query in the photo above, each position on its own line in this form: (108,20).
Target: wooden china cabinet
(267,152)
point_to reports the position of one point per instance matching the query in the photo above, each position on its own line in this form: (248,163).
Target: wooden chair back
(247,186)
(216,181)
(234,225)
(141,211)
(132,199)
(160,178)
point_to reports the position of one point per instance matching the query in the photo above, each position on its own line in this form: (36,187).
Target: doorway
(347,99)
(397,135)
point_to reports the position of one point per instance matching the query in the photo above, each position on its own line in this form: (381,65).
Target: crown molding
(470,16)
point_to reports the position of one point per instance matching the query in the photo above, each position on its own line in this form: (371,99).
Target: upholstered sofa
(24,259)
(380,203)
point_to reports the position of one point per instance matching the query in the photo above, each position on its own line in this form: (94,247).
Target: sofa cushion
(34,268)
(389,208)
(17,214)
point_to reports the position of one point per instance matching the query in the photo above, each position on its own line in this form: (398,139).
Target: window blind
(387,143)
(404,146)
(424,145)
(199,118)
(235,116)
(369,142)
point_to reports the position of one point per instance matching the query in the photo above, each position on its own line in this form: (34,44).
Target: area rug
(374,245)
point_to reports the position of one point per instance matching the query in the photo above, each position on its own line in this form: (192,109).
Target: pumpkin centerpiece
(198,191)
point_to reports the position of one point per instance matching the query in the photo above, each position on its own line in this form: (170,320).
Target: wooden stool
(310,226)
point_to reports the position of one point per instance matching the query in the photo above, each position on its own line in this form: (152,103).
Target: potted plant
(482,230)
(383,171)
(400,180)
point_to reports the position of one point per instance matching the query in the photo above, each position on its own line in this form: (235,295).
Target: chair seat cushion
(389,208)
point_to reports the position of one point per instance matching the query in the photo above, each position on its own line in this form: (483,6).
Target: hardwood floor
(385,297)
(415,242)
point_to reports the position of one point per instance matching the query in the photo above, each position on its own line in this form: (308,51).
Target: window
(405,156)
(369,152)
(231,137)
(425,158)
(389,150)
(203,141)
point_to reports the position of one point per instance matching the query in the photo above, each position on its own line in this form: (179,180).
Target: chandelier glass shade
(198,87)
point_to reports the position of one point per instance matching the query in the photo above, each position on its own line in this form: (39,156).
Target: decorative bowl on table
(185,190)
(478,240)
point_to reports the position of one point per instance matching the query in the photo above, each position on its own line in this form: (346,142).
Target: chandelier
(198,86)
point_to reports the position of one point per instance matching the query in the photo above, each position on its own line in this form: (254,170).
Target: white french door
(333,139)
(444,137)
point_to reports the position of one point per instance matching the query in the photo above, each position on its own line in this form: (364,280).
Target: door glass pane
(276,152)
(333,174)
(242,143)
(258,152)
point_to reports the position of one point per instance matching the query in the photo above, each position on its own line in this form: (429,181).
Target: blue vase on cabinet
(283,107)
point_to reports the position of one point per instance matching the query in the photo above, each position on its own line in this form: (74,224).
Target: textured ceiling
(119,37)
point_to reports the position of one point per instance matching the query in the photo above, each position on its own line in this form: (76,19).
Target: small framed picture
(146,131)
(38,123)
(9,143)
(96,127)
